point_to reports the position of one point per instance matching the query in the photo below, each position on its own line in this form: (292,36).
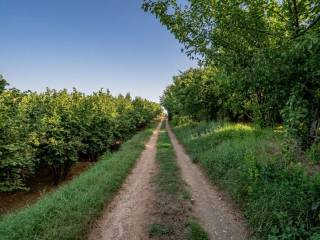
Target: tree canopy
(3,83)
(264,55)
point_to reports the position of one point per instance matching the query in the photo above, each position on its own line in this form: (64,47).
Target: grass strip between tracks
(173,201)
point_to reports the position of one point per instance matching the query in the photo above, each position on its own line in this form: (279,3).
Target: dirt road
(216,216)
(128,216)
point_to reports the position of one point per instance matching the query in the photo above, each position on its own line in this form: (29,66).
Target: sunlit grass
(276,194)
(279,129)
(234,127)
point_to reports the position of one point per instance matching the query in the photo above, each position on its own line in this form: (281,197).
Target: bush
(314,153)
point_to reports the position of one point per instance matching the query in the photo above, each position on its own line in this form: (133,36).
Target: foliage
(207,94)
(52,129)
(266,51)
(279,198)
(15,153)
(314,153)
(68,212)
(3,83)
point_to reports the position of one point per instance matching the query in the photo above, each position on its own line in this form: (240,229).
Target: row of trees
(259,61)
(53,129)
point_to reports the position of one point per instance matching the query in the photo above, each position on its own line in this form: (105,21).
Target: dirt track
(128,215)
(216,216)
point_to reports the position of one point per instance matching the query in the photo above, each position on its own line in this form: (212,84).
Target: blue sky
(87,44)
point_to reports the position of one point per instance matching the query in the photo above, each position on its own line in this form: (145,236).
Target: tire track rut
(217,217)
(128,215)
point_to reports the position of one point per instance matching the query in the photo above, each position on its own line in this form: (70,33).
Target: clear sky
(87,44)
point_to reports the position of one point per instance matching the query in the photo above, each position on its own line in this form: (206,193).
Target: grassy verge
(173,204)
(68,212)
(278,196)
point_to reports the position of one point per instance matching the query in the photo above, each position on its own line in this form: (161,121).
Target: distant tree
(3,83)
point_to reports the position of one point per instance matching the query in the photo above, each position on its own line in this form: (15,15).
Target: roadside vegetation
(172,217)
(259,65)
(54,129)
(279,195)
(68,212)
(259,62)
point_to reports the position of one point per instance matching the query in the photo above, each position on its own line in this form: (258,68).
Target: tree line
(54,129)
(258,62)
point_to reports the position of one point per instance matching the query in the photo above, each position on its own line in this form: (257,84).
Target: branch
(309,27)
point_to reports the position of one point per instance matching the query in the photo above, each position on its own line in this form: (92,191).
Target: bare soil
(216,215)
(128,216)
(39,186)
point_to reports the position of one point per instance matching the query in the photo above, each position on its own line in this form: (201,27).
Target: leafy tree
(3,83)
(266,50)
(55,128)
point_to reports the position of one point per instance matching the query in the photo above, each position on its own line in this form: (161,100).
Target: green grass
(278,196)
(195,231)
(169,177)
(173,199)
(68,212)
(160,230)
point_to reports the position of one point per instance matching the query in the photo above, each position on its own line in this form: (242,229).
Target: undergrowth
(280,199)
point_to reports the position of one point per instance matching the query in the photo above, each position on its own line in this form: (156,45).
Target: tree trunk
(293,10)
(56,170)
(66,169)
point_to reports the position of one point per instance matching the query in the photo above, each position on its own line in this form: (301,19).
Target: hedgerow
(52,129)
